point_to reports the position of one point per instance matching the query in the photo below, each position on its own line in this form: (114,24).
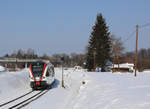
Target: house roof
(124,65)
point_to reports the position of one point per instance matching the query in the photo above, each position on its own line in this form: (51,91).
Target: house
(125,67)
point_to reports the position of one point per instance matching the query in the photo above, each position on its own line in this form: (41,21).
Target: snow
(114,91)
(2,69)
(85,90)
(13,84)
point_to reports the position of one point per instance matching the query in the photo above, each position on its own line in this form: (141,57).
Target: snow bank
(13,83)
(2,69)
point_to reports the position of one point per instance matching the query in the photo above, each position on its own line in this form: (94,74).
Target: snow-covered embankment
(13,84)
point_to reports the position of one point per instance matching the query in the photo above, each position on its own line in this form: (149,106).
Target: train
(41,75)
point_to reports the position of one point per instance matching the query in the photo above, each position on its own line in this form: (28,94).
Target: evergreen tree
(99,43)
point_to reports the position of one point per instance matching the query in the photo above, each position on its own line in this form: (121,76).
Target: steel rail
(25,100)
(1,105)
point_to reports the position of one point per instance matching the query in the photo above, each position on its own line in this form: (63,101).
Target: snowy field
(84,90)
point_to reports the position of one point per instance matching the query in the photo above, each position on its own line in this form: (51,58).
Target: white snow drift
(13,84)
(2,69)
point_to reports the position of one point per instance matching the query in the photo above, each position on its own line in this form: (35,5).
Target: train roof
(41,62)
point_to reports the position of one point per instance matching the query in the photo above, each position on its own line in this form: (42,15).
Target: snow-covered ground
(84,90)
(2,69)
(113,91)
(13,84)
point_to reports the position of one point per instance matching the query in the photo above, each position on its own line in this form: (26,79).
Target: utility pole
(62,83)
(136,51)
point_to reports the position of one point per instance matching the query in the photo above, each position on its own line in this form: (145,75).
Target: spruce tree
(99,43)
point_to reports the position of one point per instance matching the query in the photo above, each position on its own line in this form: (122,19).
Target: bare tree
(20,53)
(31,54)
(117,43)
(117,49)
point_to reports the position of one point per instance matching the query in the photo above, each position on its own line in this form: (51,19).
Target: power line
(145,25)
(130,36)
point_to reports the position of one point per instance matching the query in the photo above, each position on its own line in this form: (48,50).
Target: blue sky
(64,26)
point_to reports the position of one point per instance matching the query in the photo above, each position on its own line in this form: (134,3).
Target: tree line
(74,59)
(21,54)
(70,60)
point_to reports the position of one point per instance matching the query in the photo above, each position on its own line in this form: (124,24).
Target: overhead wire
(145,25)
(130,36)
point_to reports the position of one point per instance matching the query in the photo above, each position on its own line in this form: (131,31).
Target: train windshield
(37,69)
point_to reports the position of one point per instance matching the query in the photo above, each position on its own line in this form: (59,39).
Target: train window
(37,69)
(48,73)
(52,71)
(53,74)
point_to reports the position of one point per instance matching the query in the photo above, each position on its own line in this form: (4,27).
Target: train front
(37,79)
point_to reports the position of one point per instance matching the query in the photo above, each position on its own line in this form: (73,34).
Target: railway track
(23,100)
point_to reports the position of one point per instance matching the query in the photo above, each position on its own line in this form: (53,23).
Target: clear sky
(64,26)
